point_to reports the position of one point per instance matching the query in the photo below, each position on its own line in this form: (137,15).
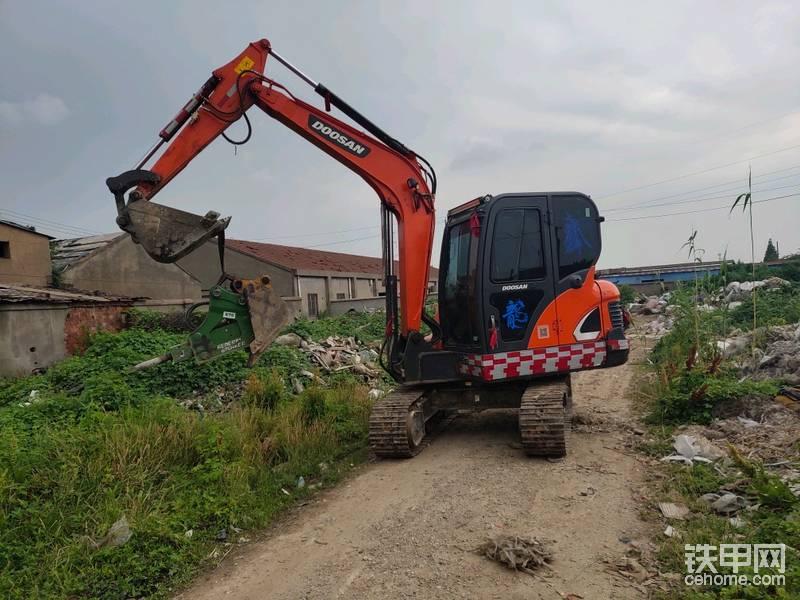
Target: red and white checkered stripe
(537,361)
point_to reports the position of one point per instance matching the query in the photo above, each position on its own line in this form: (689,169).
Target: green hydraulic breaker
(248,316)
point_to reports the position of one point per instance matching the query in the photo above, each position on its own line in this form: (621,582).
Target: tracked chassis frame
(403,422)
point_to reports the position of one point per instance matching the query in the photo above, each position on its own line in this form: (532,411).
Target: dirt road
(408,528)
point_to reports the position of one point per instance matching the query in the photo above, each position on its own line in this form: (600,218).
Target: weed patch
(87,442)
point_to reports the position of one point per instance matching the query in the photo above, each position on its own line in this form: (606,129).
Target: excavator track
(397,427)
(543,418)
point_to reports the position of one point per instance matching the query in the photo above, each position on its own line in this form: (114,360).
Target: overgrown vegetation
(87,442)
(687,381)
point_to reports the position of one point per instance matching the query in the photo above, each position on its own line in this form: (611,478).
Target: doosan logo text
(515,286)
(338,137)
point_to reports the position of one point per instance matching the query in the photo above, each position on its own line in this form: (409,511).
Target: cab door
(575,239)
(518,278)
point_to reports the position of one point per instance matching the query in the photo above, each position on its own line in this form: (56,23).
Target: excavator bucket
(166,234)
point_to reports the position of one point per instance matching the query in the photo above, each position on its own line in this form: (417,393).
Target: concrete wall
(124,268)
(203,264)
(313,285)
(35,336)
(339,286)
(366,288)
(340,307)
(31,338)
(29,261)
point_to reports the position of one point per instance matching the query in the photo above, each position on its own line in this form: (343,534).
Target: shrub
(107,391)
(626,294)
(174,321)
(264,390)
(312,404)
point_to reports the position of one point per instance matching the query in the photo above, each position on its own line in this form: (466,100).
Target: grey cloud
(500,97)
(44,109)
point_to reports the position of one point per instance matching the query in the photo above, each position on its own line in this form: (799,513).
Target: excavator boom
(388,166)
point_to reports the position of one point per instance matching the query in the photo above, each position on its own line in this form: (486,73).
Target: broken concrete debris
(336,354)
(690,449)
(725,504)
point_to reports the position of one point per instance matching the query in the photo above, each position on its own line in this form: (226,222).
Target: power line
(738,180)
(55,224)
(320,233)
(47,224)
(693,173)
(700,210)
(615,209)
(369,237)
(701,198)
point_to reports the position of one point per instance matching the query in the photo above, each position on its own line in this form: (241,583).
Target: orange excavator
(519,305)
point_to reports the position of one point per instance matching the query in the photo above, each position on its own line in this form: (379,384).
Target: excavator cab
(517,275)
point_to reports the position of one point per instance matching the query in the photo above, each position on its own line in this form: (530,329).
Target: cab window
(458,284)
(517,252)
(577,233)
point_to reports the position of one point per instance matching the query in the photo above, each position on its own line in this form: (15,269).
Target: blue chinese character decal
(574,240)
(515,315)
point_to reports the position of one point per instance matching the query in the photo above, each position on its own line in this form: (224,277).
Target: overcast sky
(607,98)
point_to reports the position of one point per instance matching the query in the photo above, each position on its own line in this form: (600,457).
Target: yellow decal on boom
(244,64)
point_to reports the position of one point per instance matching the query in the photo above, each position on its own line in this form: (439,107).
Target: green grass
(766,526)
(85,443)
(685,381)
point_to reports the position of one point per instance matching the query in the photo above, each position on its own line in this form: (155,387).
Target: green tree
(772,251)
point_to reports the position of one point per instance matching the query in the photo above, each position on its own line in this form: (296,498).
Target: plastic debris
(118,534)
(301,482)
(737,522)
(692,449)
(729,503)
(630,567)
(673,511)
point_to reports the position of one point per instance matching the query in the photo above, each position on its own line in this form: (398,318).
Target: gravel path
(408,528)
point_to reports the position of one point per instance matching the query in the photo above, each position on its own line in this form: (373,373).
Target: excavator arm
(389,167)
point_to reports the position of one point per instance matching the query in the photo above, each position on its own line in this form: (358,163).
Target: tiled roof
(28,293)
(68,252)
(307,259)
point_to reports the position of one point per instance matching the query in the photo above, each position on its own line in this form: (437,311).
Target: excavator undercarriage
(404,421)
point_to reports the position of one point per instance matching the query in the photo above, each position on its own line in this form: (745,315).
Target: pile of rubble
(731,297)
(654,305)
(776,355)
(336,354)
(772,441)
(735,292)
